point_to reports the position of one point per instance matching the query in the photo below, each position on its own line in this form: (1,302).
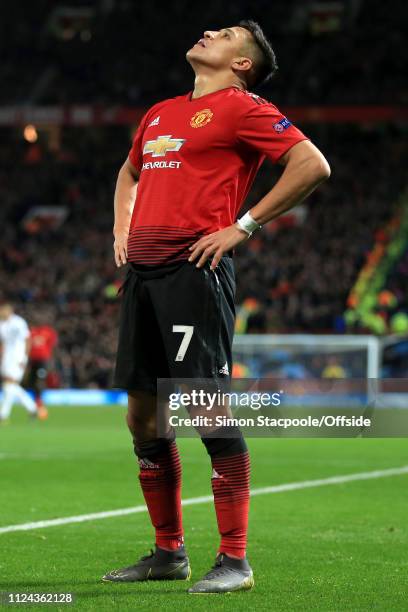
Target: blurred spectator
(122,52)
(293,276)
(334,369)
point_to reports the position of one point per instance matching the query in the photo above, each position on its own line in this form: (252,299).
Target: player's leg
(36,381)
(160,480)
(139,364)
(230,485)
(230,469)
(14,393)
(8,399)
(160,470)
(21,396)
(197,325)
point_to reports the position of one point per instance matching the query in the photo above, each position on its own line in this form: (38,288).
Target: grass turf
(338,547)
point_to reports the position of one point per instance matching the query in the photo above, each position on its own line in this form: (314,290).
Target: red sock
(230,485)
(160,479)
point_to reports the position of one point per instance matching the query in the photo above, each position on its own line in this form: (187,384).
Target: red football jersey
(197,159)
(43,341)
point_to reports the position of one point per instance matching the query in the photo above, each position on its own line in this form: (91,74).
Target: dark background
(297,275)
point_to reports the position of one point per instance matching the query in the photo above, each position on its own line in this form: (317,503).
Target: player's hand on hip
(120,248)
(215,245)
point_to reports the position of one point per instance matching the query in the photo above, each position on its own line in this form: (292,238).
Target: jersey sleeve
(136,153)
(266,130)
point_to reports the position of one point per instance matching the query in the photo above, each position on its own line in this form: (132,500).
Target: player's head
(242,50)
(6,310)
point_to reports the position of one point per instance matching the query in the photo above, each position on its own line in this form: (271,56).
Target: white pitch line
(290,486)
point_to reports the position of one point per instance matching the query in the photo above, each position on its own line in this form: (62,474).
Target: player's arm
(305,169)
(124,200)
(25,335)
(125,194)
(28,346)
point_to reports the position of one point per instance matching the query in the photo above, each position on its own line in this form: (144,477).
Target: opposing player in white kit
(14,339)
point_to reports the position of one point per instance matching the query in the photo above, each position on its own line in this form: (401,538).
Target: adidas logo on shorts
(224,370)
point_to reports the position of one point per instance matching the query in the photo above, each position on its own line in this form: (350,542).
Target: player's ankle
(233,555)
(170,547)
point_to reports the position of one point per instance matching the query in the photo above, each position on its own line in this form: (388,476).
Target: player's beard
(202,58)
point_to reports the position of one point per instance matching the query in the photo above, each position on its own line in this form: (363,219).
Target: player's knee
(225,442)
(141,415)
(149,449)
(141,426)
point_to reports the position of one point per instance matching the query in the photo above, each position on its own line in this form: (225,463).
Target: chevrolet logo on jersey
(162,144)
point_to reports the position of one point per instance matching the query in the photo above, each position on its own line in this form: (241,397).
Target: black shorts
(37,373)
(176,321)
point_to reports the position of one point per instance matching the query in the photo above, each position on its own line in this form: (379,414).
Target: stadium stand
(297,272)
(62,52)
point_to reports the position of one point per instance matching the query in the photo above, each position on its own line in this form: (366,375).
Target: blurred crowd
(64,277)
(302,273)
(294,275)
(123,52)
(298,272)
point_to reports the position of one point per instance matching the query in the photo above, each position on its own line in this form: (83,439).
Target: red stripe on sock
(160,479)
(230,485)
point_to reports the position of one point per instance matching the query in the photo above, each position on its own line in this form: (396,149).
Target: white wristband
(248,224)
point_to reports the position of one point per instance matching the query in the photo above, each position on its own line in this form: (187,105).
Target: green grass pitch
(332,548)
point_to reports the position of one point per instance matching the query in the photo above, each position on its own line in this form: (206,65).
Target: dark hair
(265,64)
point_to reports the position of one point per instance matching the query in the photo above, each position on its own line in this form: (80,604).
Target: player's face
(219,49)
(5,312)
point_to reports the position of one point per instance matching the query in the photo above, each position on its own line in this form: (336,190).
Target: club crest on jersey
(201,118)
(162,144)
(282,125)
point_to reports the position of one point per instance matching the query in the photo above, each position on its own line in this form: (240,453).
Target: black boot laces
(218,570)
(149,556)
